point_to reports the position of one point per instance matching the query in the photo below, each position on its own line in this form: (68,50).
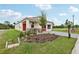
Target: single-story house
(32,22)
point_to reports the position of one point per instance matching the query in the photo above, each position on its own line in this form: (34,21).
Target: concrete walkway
(76,47)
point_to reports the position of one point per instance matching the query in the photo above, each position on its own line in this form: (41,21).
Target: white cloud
(10,13)
(55,20)
(62,14)
(44,6)
(27,16)
(73,9)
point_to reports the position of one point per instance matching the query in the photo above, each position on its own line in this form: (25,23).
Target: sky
(56,13)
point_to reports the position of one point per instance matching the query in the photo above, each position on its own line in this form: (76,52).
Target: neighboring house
(32,23)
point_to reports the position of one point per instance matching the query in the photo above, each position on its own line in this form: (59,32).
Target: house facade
(32,22)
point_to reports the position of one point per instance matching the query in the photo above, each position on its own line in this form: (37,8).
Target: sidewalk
(76,48)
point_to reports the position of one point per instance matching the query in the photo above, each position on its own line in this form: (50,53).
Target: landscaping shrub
(34,31)
(22,34)
(41,38)
(28,33)
(31,32)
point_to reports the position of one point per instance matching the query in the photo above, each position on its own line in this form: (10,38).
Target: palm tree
(14,24)
(42,20)
(69,29)
(68,23)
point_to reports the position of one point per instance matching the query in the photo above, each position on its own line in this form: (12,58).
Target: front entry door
(24,25)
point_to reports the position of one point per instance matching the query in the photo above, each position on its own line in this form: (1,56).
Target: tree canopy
(43,19)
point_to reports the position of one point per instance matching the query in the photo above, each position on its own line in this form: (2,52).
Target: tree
(14,23)
(76,26)
(62,26)
(42,20)
(68,24)
(6,22)
(69,29)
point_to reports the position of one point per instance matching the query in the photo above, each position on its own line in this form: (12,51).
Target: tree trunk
(42,28)
(69,31)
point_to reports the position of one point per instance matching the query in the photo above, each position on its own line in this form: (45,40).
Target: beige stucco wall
(28,26)
(36,25)
(18,26)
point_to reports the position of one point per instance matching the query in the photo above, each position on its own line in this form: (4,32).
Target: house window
(49,26)
(32,25)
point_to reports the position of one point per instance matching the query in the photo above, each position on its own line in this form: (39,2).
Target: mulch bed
(41,38)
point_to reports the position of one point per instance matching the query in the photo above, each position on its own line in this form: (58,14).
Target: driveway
(63,34)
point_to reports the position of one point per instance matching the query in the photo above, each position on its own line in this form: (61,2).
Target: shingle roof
(33,19)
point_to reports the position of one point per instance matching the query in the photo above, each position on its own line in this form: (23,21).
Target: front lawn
(10,35)
(61,45)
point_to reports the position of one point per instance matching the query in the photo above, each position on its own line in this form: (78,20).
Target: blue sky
(56,13)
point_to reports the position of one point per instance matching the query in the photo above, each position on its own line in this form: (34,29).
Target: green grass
(60,29)
(65,30)
(10,35)
(61,45)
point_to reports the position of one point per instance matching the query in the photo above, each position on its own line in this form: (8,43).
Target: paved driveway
(65,34)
